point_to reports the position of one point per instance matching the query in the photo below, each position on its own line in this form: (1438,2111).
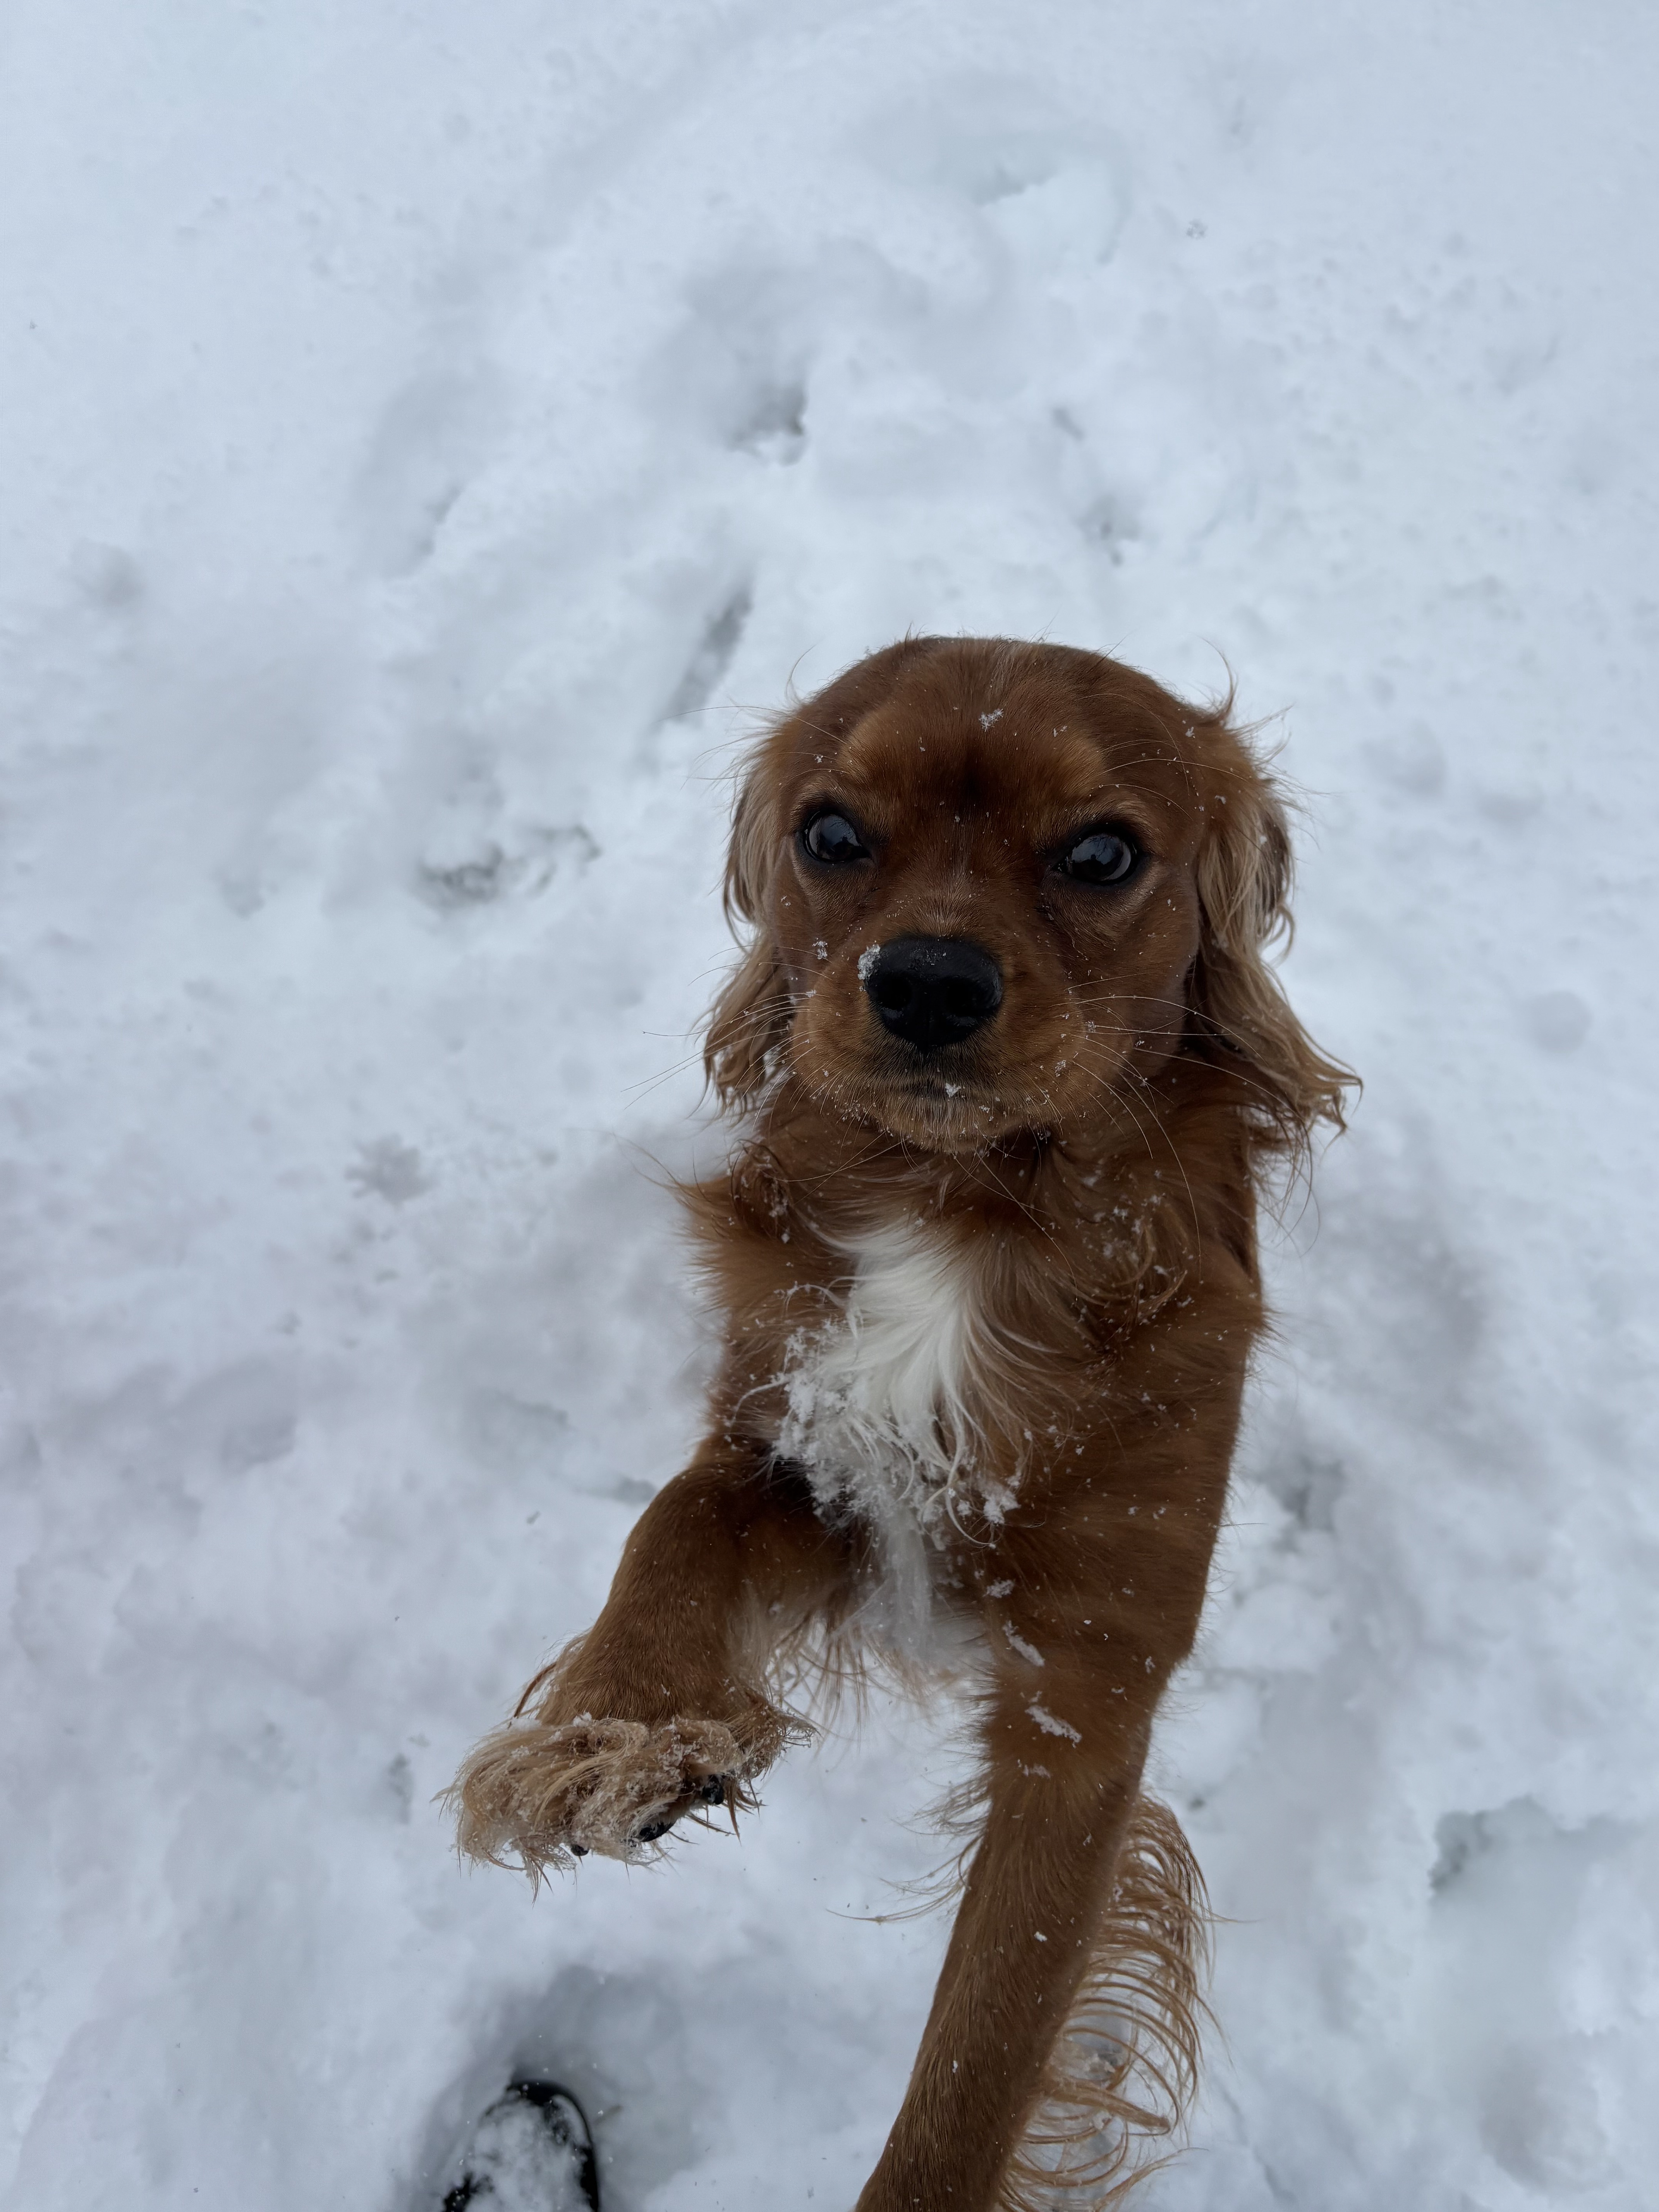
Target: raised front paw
(548,1794)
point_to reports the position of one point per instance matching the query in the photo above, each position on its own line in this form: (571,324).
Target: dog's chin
(936,1113)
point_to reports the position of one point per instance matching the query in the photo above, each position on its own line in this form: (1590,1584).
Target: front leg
(1082,1905)
(661,1708)
(1028,1928)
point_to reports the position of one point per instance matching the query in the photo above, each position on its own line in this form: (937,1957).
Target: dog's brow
(1002,759)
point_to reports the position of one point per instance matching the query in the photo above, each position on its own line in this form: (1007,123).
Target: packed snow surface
(428,434)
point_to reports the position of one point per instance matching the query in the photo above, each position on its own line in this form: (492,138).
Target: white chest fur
(881,1404)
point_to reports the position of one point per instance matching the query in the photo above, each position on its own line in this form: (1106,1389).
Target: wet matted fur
(987,1268)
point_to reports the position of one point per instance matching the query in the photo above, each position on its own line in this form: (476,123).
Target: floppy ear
(1245,874)
(750,1017)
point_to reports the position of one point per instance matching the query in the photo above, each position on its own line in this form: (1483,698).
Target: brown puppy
(1013,1068)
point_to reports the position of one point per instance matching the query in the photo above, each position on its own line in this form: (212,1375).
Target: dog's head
(995,887)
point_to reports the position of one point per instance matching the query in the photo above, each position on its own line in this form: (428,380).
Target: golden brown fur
(1043,1236)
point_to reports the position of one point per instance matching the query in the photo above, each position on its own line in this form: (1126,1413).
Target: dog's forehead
(1044,753)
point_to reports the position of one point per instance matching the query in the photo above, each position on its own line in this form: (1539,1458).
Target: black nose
(932,991)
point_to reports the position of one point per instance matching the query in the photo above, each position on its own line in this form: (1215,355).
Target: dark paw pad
(713,1791)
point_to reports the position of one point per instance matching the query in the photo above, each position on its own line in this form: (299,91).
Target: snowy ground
(424,431)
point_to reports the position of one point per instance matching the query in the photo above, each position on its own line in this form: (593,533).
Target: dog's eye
(1104,856)
(832,837)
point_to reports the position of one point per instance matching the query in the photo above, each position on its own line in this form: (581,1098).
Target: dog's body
(1012,1067)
